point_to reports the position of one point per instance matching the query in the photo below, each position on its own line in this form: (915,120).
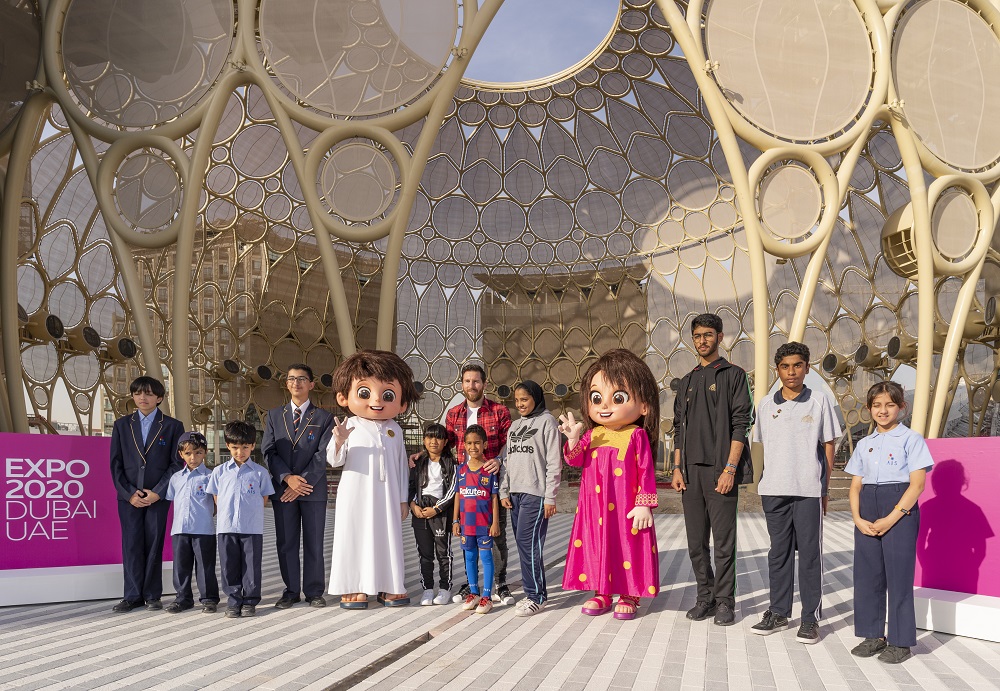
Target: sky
(531,39)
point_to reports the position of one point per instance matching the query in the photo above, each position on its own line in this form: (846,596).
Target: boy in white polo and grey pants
(798,428)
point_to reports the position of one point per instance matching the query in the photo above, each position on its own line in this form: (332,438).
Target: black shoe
(701,611)
(463,593)
(808,633)
(176,608)
(317,601)
(126,606)
(770,623)
(724,615)
(232,613)
(894,654)
(154,605)
(503,595)
(248,611)
(286,602)
(869,647)
(209,608)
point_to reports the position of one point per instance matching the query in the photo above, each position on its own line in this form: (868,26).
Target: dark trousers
(884,566)
(306,520)
(197,553)
(500,552)
(240,558)
(433,538)
(143,532)
(710,514)
(795,523)
(530,525)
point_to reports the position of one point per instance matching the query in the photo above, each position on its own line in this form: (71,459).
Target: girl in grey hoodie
(528,486)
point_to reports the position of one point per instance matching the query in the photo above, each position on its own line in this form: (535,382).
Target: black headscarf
(536,392)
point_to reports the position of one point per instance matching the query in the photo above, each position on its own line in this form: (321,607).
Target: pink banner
(58,504)
(957,548)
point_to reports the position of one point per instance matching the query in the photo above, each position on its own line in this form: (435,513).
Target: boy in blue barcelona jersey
(477,518)
(240,487)
(193,531)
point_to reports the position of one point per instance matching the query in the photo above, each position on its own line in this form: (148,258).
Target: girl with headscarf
(528,487)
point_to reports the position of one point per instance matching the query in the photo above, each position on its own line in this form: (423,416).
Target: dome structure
(215,190)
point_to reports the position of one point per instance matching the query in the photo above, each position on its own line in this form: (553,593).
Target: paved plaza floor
(84,646)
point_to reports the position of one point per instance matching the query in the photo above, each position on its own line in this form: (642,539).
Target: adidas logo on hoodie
(518,441)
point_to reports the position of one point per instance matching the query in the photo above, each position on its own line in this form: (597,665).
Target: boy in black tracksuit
(713,413)
(431,493)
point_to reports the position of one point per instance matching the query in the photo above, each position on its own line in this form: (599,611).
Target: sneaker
(470,602)
(527,608)
(701,611)
(443,597)
(427,598)
(503,595)
(209,608)
(463,593)
(248,611)
(869,647)
(724,615)
(770,623)
(485,605)
(232,613)
(894,654)
(808,633)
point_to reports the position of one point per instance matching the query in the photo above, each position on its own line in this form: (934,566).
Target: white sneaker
(427,598)
(526,608)
(503,595)
(462,593)
(443,597)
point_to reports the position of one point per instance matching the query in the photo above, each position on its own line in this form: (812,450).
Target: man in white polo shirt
(798,428)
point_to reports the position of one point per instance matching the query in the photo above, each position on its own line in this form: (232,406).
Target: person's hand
(413,459)
(136,500)
(826,501)
(725,483)
(508,504)
(341,431)
(678,481)
(404,510)
(882,525)
(866,527)
(298,484)
(289,495)
(641,517)
(456,530)
(550,510)
(570,427)
(491,466)
(495,530)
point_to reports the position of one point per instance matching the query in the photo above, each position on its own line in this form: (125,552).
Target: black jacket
(304,455)
(155,461)
(733,417)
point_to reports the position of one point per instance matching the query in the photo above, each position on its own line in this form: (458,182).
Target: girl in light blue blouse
(889,468)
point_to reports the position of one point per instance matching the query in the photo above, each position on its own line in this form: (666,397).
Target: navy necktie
(296,421)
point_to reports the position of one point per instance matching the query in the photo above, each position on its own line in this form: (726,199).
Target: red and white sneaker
(485,606)
(470,601)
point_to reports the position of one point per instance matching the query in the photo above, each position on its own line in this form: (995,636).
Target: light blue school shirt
(193,505)
(240,491)
(146,423)
(885,457)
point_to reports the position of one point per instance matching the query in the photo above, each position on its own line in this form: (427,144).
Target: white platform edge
(961,614)
(68,584)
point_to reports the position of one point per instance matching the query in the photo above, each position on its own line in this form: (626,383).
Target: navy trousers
(883,569)
(240,557)
(197,553)
(143,532)
(305,520)
(795,523)
(710,514)
(530,525)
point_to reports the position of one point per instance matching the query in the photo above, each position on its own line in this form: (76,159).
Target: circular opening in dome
(538,42)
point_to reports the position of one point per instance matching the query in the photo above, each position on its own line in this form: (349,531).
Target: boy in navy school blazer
(296,435)
(143,457)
